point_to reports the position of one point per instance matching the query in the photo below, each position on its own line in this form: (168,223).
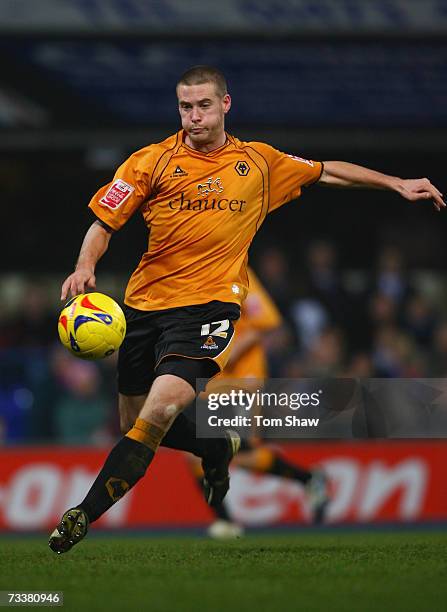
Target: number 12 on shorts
(220,330)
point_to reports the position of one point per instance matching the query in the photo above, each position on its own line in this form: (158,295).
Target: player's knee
(164,413)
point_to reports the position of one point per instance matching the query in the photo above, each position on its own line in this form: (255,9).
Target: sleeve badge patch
(309,162)
(117,193)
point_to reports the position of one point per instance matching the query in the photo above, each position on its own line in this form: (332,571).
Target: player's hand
(421,189)
(77,283)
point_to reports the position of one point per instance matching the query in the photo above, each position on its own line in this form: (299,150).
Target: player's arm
(242,344)
(93,248)
(345,174)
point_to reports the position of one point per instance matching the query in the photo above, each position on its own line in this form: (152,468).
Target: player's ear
(226,102)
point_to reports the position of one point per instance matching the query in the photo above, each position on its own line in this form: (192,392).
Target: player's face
(202,111)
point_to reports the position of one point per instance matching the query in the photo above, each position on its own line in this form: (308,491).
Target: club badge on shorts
(209,344)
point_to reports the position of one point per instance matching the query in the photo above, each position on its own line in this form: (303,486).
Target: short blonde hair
(197,75)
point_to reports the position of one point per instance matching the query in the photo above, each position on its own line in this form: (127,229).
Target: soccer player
(246,369)
(204,194)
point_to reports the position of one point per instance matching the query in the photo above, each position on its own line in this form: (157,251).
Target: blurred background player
(248,361)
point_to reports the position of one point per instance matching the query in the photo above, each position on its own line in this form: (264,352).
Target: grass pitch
(306,571)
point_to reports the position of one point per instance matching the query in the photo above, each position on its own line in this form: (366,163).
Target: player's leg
(222,527)
(266,460)
(203,333)
(128,460)
(137,369)
(216,453)
(263,459)
(171,392)
(146,351)
(180,436)
(136,363)
(195,466)
(129,407)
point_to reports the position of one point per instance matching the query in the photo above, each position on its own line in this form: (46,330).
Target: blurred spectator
(310,318)
(395,354)
(279,344)
(322,274)
(382,310)
(323,281)
(274,271)
(420,320)
(322,298)
(294,367)
(16,403)
(34,323)
(326,355)
(391,280)
(360,366)
(80,413)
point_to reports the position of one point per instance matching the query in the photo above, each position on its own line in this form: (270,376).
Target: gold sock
(147,433)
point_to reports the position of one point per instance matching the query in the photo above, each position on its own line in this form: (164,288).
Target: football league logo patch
(117,193)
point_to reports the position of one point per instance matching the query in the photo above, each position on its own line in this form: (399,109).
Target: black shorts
(190,341)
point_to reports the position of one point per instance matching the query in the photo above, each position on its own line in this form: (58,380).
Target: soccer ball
(91,326)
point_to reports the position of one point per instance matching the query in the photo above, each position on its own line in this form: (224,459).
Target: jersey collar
(201,153)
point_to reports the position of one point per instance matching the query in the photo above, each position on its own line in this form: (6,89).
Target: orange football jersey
(202,210)
(260,313)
